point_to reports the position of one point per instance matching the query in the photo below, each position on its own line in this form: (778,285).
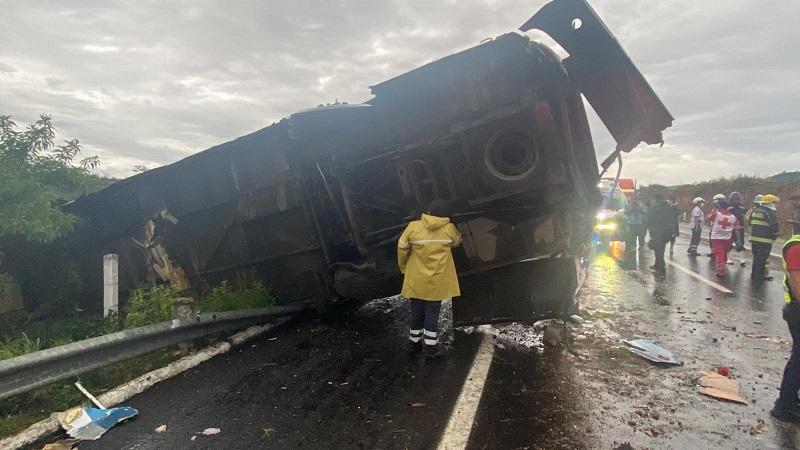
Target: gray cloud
(146,82)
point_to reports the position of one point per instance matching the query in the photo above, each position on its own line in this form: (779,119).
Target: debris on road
(724,371)
(63,444)
(417,404)
(161,429)
(759,428)
(89,424)
(576,319)
(89,395)
(211,431)
(650,351)
(720,387)
(553,335)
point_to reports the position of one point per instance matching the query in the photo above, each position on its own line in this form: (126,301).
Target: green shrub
(19,345)
(245,292)
(98,326)
(150,304)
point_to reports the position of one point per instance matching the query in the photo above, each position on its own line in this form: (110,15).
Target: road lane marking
(703,238)
(459,427)
(696,275)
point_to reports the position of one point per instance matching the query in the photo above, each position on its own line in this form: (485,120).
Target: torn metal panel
(615,88)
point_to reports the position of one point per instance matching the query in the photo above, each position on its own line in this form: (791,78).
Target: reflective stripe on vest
(787,293)
(760,229)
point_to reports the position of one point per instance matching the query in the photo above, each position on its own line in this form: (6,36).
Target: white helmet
(719,197)
(698,200)
(758,198)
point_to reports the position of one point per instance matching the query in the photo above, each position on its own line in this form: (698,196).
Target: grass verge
(146,305)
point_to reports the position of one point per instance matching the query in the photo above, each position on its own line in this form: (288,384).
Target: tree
(34,171)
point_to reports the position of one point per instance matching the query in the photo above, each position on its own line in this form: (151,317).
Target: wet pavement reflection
(347,382)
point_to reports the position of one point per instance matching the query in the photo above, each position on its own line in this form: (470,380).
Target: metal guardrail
(27,372)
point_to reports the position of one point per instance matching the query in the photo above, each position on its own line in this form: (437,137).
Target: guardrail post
(183,308)
(110,284)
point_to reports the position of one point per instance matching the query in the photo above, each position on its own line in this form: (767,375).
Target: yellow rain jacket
(424,254)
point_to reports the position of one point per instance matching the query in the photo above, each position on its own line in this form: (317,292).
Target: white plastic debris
(211,431)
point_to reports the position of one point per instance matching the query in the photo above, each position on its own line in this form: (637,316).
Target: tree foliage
(35,173)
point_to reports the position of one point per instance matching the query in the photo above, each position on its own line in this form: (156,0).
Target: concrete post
(110,284)
(183,308)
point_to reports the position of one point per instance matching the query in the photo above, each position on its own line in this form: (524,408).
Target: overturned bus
(314,204)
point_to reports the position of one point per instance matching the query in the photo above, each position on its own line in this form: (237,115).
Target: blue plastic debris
(91,423)
(650,351)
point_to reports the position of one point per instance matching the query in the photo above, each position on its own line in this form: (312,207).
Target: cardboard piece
(717,386)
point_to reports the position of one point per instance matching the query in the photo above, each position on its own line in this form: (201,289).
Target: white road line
(703,238)
(456,435)
(696,275)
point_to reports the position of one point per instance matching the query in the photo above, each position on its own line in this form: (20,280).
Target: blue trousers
(791,374)
(424,323)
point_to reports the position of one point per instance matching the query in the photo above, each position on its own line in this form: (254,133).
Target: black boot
(432,351)
(414,347)
(784,414)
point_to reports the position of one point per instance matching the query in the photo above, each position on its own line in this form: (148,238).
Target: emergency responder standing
(763,232)
(722,233)
(736,208)
(787,406)
(716,200)
(425,257)
(698,217)
(659,223)
(635,217)
(756,202)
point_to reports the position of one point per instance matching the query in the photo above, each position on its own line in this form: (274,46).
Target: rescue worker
(723,232)
(736,208)
(659,223)
(717,200)
(756,202)
(787,406)
(676,231)
(635,217)
(697,220)
(764,230)
(425,257)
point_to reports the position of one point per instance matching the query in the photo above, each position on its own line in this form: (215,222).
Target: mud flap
(523,291)
(601,69)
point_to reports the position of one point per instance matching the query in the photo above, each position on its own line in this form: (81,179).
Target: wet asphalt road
(347,382)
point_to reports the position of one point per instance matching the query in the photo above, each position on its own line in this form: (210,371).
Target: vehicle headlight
(601,216)
(606,226)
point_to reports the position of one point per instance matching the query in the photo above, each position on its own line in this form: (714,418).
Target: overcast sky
(150,82)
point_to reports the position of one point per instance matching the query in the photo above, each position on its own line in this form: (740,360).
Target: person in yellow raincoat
(425,257)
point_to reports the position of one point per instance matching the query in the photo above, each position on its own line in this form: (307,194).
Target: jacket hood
(434,222)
